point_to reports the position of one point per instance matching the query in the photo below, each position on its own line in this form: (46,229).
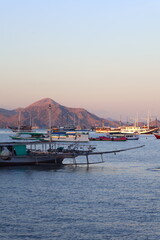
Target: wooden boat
(22,129)
(108,130)
(22,153)
(32,153)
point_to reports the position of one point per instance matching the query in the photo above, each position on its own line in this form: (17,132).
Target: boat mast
(50,125)
(19,121)
(136,121)
(148,120)
(120,121)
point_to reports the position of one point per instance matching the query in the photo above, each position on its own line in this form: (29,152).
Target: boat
(107,130)
(56,135)
(33,153)
(157,135)
(131,136)
(60,135)
(22,153)
(128,129)
(138,130)
(68,137)
(116,137)
(22,129)
(29,136)
(108,138)
(128,136)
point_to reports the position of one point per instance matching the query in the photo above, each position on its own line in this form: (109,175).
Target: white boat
(128,136)
(138,130)
(128,129)
(131,136)
(67,136)
(70,138)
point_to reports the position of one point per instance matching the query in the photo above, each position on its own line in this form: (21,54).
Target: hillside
(37,114)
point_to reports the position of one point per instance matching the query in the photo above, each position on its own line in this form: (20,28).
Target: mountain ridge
(37,114)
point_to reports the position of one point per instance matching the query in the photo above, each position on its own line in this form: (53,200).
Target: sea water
(116,199)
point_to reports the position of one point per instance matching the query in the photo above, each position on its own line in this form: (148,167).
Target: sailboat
(21,128)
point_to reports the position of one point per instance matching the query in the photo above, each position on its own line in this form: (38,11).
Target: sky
(101,55)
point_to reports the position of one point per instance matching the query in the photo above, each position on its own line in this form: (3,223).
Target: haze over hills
(37,114)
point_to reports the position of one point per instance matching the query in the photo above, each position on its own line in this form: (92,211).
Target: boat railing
(46,148)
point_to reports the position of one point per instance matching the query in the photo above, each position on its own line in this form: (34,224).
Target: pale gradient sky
(101,55)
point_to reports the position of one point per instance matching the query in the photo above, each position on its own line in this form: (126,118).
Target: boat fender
(5,154)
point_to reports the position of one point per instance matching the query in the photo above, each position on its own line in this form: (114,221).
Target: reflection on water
(118,199)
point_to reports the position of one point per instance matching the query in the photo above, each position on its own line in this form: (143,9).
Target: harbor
(23,151)
(80,120)
(116,199)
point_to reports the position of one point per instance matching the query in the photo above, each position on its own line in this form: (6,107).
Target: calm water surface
(117,199)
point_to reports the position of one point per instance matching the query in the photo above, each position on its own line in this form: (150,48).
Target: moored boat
(67,136)
(108,138)
(138,130)
(22,153)
(157,135)
(131,136)
(108,130)
(29,136)
(22,129)
(127,129)
(57,136)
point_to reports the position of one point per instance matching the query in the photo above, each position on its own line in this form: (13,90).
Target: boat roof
(21,143)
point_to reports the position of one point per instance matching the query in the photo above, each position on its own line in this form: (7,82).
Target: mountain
(37,114)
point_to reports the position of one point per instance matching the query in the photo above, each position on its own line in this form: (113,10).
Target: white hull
(137,130)
(71,138)
(134,137)
(128,129)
